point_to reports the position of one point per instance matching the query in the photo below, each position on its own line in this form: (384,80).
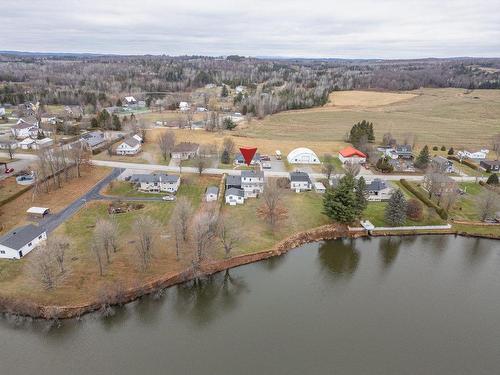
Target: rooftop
(17,238)
(186,147)
(299,176)
(351,151)
(235,191)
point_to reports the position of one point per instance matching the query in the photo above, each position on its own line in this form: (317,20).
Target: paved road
(51,222)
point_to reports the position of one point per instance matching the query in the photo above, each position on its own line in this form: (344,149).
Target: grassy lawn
(8,187)
(465,206)
(375,213)
(122,158)
(478,229)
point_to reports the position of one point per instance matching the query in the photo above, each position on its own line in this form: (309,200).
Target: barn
(302,155)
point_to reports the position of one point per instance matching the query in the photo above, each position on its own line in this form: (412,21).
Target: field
(442,116)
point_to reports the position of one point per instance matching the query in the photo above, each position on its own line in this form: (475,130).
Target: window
(2,251)
(30,244)
(40,237)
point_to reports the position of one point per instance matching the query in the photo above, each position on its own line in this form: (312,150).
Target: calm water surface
(419,305)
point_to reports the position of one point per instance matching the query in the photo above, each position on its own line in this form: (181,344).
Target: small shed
(212,194)
(319,187)
(38,212)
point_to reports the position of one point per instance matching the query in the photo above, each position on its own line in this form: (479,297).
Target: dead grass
(14,213)
(366,99)
(8,187)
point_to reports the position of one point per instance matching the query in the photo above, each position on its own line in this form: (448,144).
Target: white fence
(416,227)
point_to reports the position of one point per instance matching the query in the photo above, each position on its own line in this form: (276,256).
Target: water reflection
(478,251)
(272,263)
(388,248)
(203,300)
(339,258)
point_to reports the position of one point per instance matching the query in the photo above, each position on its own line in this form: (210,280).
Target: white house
(475,155)
(352,155)
(234,196)
(129,100)
(156,183)
(20,241)
(26,143)
(184,106)
(302,155)
(252,183)
(6,144)
(2,111)
(212,194)
(94,139)
(300,181)
(129,146)
(25,127)
(377,190)
(137,137)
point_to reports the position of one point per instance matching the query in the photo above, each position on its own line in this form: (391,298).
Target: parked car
(9,170)
(265,158)
(266,165)
(169,198)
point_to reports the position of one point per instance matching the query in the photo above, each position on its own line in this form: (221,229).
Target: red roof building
(351,155)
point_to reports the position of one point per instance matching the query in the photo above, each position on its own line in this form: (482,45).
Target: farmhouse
(185,150)
(252,183)
(25,127)
(377,190)
(20,241)
(212,194)
(129,146)
(490,165)
(156,183)
(442,164)
(300,181)
(26,143)
(184,106)
(240,160)
(233,181)
(129,100)
(474,155)
(400,152)
(302,155)
(352,155)
(234,196)
(94,139)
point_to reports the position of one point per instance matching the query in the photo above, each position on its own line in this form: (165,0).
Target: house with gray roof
(240,160)
(94,139)
(233,181)
(156,183)
(252,183)
(185,150)
(300,181)
(441,164)
(212,194)
(377,190)
(20,241)
(129,146)
(234,196)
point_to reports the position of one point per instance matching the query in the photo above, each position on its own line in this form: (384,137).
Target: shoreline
(322,233)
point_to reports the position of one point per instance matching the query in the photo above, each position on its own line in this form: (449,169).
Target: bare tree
(146,230)
(10,150)
(204,232)
(201,163)
(487,204)
(166,142)
(388,140)
(227,234)
(43,267)
(59,245)
(96,249)
(228,145)
(410,139)
(352,168)
(272,209)
(495,145)
(106,236)
(328,167)
(182,215)
(448,199)
(79,154)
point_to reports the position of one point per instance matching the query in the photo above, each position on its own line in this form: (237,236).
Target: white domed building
(302,155)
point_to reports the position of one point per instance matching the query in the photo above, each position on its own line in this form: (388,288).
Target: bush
(466,162)
(443,148)
(440,211)
(435,148)
(414,209)
(384,166)
(492,180)
(451,151)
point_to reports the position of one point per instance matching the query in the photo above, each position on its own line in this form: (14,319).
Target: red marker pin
(248,154)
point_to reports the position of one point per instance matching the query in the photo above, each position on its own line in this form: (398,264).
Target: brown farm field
(437,116)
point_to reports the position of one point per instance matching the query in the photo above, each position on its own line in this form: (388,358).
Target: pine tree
(371,134)
(224,93)
(451,151)
(395,211)
(423,158)
(340,203)
(225,157)
(492,179)
(361,201)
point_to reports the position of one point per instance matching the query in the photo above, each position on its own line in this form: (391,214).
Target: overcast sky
(291,28)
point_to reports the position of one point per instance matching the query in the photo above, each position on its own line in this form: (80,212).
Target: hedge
(429,203)
(466,162)
(15,195)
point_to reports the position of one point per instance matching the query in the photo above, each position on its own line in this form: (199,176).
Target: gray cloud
(349,29)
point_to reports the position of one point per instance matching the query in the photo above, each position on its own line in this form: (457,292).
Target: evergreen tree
(225,92)
(116,124)
(118,103)
(340,203)
(361,201)
(225,158)
(228,123)
(94,123)
(423,158)
(395,211)
(371,134)
(492,179)
(383,165)
(451,151)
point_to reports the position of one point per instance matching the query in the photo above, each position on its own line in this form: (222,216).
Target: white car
(266,165)
(169,198)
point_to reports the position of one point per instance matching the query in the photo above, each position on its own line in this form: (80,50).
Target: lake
(392,305)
